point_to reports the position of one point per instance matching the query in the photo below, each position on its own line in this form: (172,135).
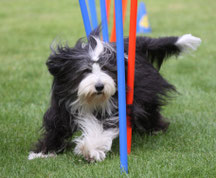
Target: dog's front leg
(58,127)
(95,141)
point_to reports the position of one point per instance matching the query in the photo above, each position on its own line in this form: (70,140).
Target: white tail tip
(187,43)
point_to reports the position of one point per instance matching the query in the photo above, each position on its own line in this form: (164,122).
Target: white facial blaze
(97,50)
(100,76)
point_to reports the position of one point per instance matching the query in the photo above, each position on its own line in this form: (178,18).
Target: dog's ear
(59,59)
(56,65)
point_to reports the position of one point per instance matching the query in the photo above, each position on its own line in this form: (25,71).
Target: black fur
(70,65)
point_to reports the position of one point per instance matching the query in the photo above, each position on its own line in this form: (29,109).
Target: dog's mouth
(99,93)
(98,97)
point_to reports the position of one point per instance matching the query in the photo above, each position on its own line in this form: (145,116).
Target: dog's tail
(156,50)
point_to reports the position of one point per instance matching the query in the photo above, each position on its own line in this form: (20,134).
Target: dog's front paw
(93,150)
(96,155)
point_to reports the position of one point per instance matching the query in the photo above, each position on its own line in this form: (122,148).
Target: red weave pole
(124,6)
(131,67)
(108,3)
(113,33)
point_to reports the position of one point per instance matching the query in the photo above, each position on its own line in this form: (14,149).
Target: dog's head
(86,73)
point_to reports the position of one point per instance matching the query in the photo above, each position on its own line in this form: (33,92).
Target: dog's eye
(83,72)
(86,71)
(109,68)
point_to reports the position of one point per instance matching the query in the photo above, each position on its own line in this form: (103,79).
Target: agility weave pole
(113,32)
(131,68)
(121,87)
(86,21)
(108,5)
(93,13)
(104,21)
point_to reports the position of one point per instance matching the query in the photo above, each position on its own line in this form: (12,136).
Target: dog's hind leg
(159,123)
(146,119)
(150,125)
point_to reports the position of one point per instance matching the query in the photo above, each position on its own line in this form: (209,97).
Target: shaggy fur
(84,93)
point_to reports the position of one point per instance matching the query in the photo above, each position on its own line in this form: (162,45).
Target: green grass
(188,149)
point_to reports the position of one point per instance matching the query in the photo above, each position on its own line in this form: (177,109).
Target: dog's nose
(99,87)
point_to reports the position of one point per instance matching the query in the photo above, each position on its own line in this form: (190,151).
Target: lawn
(188,149)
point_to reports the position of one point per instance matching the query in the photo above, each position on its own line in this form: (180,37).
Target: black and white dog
(84,93)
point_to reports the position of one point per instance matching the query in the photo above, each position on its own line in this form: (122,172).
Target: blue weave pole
(121,87)
(85,17)
(93,12)
(104,21)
